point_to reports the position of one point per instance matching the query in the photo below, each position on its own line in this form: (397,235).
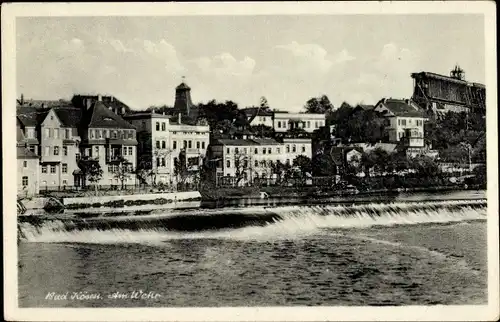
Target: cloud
(343,57)
(306,56)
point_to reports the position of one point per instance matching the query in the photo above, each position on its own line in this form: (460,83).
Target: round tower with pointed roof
(183,101)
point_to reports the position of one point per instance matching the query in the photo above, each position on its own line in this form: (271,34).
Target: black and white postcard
(250,161)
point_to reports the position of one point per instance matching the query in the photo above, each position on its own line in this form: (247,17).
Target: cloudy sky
(287,59)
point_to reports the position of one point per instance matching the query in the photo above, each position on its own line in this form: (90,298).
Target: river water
(401,251)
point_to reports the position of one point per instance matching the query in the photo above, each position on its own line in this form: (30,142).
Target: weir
(230,222)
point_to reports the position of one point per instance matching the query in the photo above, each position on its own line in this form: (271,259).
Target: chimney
(22,99)
(385,100)
(112,98)
(179,118)
(123,110)
(88,102)
(99,98)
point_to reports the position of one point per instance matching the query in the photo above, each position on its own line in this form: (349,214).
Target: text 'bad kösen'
(82,296)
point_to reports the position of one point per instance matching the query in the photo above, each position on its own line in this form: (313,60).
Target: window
(403,122)
(279,124)
(294,148)
(157,144)
(157,162)
(47,133)
(65,150)
(64,168)
(228,163)
(51,133)
(287,161)
(163,145)
(256,163)
(125,150)
(110,168)
(185,144)
(203,144)
(44,169)
(190,144)
(174,144)
(308,123)
(162,162)
(236,150)
(264,151)
(256,151)
(278,150)
(130,151)
(65,182)
(269,151)
(25,164)
(228,150)
(114,135)
(106,134)
(52,169)
(287,149)
(131,134)
(77,157)
(25,181)
(197,144)
(56,150)
(316,124)
(303,148)
(96,151)
(68,133)
(91,134)
(163,128)
(157,126)
(87,152)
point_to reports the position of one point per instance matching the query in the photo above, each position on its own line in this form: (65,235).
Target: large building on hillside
(162,138)
(282,122)
(60,134)
(442,93)
(245,160)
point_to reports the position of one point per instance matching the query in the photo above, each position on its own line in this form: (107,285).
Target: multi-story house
(405,121)
(245,160)
(108,138)
(282,121)
(163,138)
(64,131)
(27,166)
(309,122)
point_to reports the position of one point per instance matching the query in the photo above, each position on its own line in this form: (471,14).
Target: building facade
(405,121)
(162,139)
(282,122)
(61,134)
(245,160)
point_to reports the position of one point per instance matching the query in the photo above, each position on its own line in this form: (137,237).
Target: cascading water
(255,223)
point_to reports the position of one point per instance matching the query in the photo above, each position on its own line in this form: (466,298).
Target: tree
(241,165)
(264,105)
(321,105)
(262,130)
(425,166)
(124,170)
(91,170)
(144,169)
(303,164)
(180,169)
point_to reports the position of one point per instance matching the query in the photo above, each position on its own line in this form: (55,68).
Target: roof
(102,117)
(27,115)
(23,153)
(401,108)
(19,135)
(246,142)
(445,78)
(257,111)
(388,147)
(365,107)
(43,103)
(69,116)
(183,86)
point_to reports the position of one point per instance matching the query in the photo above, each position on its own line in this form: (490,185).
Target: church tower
(183,103)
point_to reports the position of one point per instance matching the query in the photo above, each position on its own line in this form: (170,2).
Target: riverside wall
(171,196)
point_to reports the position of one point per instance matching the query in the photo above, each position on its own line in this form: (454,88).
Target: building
(162,139)
(62,132)
(242,161)
(441,93)
(405,121)
(282,121)
(28,183)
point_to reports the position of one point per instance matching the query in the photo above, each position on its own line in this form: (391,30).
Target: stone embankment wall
(171,196)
